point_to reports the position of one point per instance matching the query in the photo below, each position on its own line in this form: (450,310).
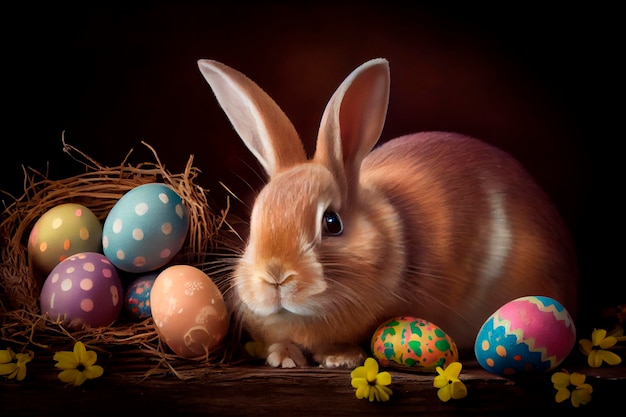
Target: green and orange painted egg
(413,342)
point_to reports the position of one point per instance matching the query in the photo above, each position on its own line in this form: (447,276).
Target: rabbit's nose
(277,274)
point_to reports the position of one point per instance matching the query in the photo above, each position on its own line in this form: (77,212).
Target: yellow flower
(595,349)
(369,383)
(581,393)
(13,365)
(448,382)
(77,366)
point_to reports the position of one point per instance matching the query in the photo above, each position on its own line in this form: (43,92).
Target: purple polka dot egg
(83,290)
(145,228)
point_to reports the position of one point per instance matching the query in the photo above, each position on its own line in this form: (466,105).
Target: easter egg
(145,228)
(137,297)
(189,311)
(62,231)
(413,342)
(83,290)
(528,334)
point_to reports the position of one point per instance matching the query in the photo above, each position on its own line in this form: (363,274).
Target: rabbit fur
(435,225)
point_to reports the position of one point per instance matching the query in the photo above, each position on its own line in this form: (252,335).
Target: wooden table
(252,389)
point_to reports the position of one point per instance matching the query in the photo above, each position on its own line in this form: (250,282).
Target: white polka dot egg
(146,228)
(84,289)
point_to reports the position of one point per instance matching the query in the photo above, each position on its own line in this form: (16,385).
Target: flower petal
(609,357)
(440,381)
(80,352)
(383,378)
(594,360)
(90,358)
(24,358)
(385,392)
(577,378)
(586,387)
(93,371)
(560,379)
(608,342)
(458,390)
(358,372)
(374,394)
(7,369)
(65,360)
(363,391)
(357,382)
(444,393)
(580,396)
(597,336)
(371,369)
(80,378)
(453,370)
(6,355)
(562,395)
(21,373)
(585,346)
(69,376)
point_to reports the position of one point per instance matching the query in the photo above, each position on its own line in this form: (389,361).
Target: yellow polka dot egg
(145,228)
(413,342)
(62,231)
(528,334)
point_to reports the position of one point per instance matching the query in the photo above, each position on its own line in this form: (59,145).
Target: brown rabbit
(434,225)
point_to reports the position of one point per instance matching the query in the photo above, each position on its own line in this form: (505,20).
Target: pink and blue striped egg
(526,335)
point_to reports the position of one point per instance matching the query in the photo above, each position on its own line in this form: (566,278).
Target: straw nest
(99,188)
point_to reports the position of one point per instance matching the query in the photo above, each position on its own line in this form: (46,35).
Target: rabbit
(436,225)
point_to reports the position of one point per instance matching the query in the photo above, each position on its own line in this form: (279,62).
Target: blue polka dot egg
(146,228)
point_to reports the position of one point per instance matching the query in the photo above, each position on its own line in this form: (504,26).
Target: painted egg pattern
(137,300)
(62,231)
(189,311)
(146,228)
(413,342)
(84,289)
(528,334)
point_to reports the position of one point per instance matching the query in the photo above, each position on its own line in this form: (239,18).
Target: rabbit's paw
(280,355)
(349,357)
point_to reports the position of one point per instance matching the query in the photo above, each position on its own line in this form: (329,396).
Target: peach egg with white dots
(83,290)
(145,228)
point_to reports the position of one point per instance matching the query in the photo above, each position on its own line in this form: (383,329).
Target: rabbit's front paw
(280,355)
(349,357)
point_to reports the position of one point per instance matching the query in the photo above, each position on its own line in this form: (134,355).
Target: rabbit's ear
(261,124)
(353,122)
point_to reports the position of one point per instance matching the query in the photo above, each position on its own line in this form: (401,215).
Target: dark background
(543,83)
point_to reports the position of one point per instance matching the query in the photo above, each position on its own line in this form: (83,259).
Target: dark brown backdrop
(540,82)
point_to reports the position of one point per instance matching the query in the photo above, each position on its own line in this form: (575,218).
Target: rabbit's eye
(332,223)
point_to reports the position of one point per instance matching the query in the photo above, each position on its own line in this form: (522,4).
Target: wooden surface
(256,390)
